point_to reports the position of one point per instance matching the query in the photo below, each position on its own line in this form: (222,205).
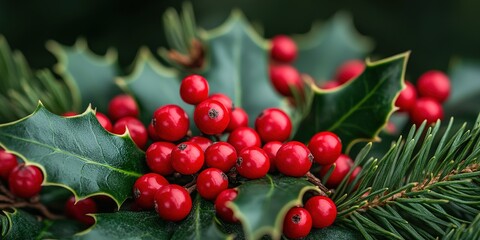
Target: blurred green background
(435,31)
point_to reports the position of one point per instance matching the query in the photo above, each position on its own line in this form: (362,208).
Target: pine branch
(21,89)
(423,188)
(465,231)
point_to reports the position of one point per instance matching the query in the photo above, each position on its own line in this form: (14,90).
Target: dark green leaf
(358,110)
(334,232)
(76,153)
(128,225)
(21,225)
(237,65)
(328,45)
(60,229)
(91,74)
(261,205)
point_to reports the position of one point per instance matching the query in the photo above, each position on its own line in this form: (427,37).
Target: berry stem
(317,182)
(192,188)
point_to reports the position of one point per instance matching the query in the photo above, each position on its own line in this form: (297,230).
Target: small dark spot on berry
(296,218)
(213,113)
(239,161)
(154,122)
(310,157)
(136,193)
(182,146)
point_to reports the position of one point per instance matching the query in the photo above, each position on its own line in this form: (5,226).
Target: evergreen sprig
(21,88)
(423,188)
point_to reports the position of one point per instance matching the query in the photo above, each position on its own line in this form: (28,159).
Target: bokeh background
(435,31)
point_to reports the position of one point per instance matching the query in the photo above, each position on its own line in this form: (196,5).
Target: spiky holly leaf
(261,205)
(20,225)
(358,110)
(237,65)
(334,232)
(153,85)
(76,153)
(328,45)
(92,74)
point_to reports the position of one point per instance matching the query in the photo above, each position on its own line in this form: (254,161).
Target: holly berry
(434,84)
(104,121)
(173,203)
(211,182)
(158,156)
(293,159)
(243,137)
(285,77)
(407,98)
(221,155)
(297,223)
(323,211)
(224,212)
(426,109)
(273,124)
(202,142)
(330,85)
(238,118)
(326,147)
(171,122)
(137,131)
(25,181)
(187,158)
(8,162)
(194,89)
(253,163)
(223,99)
(122,106)
(211,117)
(145,188)
(349,70)
(69,114)
(80,209)
(271,149)
(283,49)
(342,167)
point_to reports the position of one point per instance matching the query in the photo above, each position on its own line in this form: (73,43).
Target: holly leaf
(360,109)
(76,153)
(334,232)
(91,74)
(153,85)
(128,225)
(20,225)
(328,45)
(261,205)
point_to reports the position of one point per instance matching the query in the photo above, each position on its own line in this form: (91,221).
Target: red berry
(283,49)
(104,121)
(297,223)
(223,211)
(194,89)
(69,114)
(273,124)
(293,159)
(221,155)
(407,98)
(271,149)
(223,99)
(173,203)
(330,84)
(284,77)
(80,210)
(211,117)
(202,142)
(158,156)
(326,147)
(323,211)
(171,122)
(349,70)
(122,106)
(145,188)
(187,158)
(211,182)
(253,163)
(244,137)
(434,84)
(137,131)
(342,167)
(152,133)
(8,162)
(238,118)
(426,109)
(25,181)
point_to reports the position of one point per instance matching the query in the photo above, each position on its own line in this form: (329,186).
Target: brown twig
(195,57)
(192,188)
(311,178)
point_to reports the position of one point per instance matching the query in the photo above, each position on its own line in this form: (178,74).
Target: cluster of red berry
(433,89)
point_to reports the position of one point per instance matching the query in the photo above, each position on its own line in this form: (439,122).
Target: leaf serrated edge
(276,231)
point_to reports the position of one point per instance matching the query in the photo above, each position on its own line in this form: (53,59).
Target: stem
(192,188)
(195,57)
(317,182)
